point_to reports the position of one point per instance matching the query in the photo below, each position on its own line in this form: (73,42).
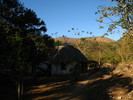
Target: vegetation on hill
(102,49)
(75,40)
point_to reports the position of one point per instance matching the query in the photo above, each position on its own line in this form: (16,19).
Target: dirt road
(98,86)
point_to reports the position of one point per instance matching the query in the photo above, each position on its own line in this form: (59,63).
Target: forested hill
(75,40)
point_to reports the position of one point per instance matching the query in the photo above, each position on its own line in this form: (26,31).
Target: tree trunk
(99,61)
(20,90)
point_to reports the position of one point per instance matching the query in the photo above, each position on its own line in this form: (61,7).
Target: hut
(65,60)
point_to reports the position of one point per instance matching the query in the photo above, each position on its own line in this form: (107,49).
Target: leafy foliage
(58,43)
(101,52)
(119,15)
(22,38)
(125,49)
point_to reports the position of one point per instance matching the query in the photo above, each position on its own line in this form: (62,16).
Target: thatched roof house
(64,60)
(66,54)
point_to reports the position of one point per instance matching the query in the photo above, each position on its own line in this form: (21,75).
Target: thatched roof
(66,54)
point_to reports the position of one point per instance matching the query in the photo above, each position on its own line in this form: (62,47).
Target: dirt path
(98,86)
(80,93)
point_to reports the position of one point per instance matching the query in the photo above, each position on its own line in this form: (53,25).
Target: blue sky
(63,15)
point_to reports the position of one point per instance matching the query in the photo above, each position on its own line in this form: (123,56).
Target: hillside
(75,40)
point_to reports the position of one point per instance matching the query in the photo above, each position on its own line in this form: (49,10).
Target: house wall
(43,66)
(56,69)
(29,69)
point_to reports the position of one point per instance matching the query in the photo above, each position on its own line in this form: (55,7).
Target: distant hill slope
(75,40)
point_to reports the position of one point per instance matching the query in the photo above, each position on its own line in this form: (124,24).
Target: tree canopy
(119,15)
(22,36)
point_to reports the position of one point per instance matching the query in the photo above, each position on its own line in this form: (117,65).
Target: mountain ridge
(75,40)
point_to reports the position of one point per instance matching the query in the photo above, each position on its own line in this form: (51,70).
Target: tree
(39,51)
(119,15)
(58,43)
(20,28)
(101,52)
(125,49)
(16,24)
(92,49)
(22,39)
